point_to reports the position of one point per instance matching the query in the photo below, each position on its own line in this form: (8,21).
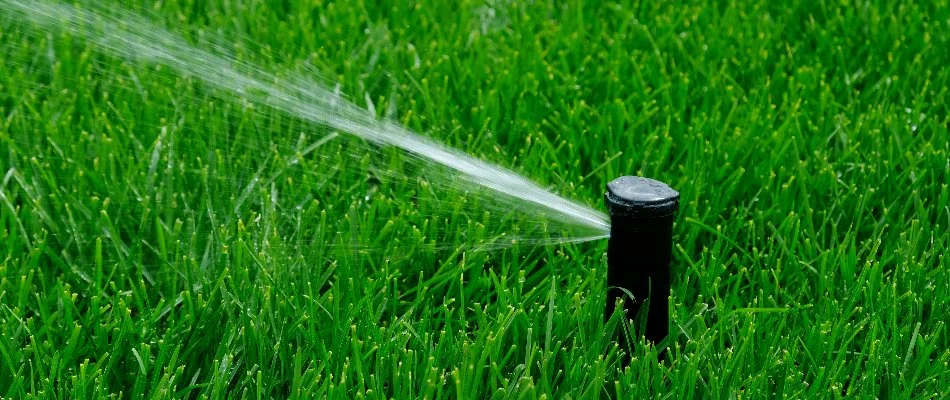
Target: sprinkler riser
(639,250)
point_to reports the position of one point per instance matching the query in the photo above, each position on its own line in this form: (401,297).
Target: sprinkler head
(634,196)
(638,253)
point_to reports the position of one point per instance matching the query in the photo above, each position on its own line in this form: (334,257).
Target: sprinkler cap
(635,196)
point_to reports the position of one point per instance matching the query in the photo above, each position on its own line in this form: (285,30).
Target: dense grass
(809,141)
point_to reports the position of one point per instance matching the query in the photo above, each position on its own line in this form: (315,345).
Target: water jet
(117,31)
(639,249)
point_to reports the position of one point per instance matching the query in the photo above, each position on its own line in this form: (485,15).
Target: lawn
(159,238)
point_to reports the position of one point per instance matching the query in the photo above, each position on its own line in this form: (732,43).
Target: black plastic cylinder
(639,251)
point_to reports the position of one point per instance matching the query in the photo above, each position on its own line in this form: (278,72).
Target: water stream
(126,35)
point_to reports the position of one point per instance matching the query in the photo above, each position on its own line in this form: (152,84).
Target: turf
(808,139)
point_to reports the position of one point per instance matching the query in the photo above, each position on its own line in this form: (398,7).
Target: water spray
(638,253)
(122,33)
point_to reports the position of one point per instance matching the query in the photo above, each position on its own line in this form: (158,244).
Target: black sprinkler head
(644,197)
(639,251)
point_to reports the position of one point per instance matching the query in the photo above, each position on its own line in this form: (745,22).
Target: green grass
(808,139)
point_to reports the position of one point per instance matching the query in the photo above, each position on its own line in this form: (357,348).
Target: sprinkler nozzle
(639,251)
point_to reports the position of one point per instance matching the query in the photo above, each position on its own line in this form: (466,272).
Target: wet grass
(155,240)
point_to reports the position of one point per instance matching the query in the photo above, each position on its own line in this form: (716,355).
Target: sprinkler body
(638,253)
